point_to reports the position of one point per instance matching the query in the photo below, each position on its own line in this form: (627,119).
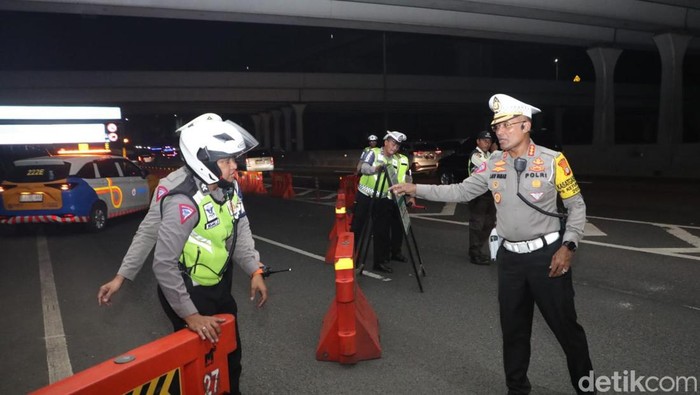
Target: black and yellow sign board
(167,384)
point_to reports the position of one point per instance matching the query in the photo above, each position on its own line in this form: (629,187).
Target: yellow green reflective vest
(368,182)
(205,255)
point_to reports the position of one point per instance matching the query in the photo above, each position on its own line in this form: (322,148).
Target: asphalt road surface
(636,277)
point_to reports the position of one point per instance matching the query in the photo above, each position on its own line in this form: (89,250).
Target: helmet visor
(248,139)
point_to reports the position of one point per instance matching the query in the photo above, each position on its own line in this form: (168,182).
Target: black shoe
(398,257)
(380,267)
(483,261)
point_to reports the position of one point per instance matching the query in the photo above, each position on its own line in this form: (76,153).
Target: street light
(556,69)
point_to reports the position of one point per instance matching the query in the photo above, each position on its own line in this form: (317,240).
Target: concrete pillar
(287,112)
(299,112)
(276,114)
(604,60)
(672,47)
(266,129)
(256,124)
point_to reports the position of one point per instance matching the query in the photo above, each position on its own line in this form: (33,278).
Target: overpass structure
(276,101)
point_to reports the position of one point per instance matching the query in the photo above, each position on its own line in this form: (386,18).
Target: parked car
(86,189)
(453,168)
(422,155)
(258,160)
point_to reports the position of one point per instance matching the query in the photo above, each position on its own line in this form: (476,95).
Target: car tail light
(66,186)
(419,154)
(438,152)
(272,161)
(4,188)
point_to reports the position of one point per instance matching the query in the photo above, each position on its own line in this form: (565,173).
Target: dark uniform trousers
(381,210)
(482,218)
(210,300)
(360,214)
(382,213)
(523,282)
(397,231)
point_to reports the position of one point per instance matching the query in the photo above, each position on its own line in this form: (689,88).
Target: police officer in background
(372,141)
(373,192)
(482,211)
(534,261)
(202,231)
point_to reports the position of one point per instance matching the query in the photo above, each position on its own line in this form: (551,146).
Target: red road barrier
(251,182)
(348,184)
(341,225)
(180,363)
(350,331)
(282,185)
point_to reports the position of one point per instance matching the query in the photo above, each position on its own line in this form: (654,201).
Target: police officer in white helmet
(194,283)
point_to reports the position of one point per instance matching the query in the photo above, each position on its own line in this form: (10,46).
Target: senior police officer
(372,197)
(201,232)
(482,211)
(534,261)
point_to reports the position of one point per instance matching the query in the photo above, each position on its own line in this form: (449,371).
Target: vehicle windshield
(39,173)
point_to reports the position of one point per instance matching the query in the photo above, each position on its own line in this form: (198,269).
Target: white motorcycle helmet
(372,138)
(208,138)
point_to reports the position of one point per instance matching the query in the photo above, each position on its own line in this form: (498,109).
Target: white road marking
(304,192)
(56,348)
(447,221)
(657,251)
(684,235)
(692,307)
(643,222)
(447,210)
(591,230)
(290,248)
(314,256)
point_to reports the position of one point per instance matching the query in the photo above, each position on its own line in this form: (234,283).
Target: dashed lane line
(54,336)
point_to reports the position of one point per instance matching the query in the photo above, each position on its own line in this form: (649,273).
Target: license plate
(31,198)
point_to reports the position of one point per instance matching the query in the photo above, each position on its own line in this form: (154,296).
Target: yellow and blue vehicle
(87,189)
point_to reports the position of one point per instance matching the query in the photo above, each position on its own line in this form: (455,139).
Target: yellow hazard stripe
(344,264)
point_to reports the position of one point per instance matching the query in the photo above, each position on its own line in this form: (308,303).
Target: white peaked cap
(505,107)
(397,136)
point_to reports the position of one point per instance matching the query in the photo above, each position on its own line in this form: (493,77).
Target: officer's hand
(410,201)
(104,294)
(207,327)
(257,285)
(379,167)
(561,262)
(403,189)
